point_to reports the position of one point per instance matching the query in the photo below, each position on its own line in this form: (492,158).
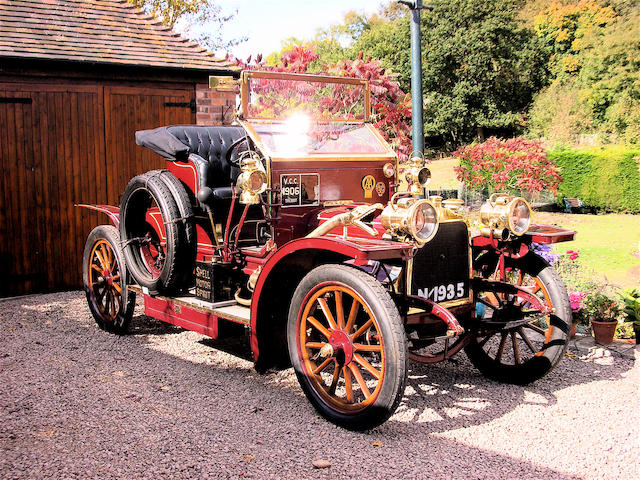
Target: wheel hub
(342,347)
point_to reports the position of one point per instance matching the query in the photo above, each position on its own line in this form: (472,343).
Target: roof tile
(97,31)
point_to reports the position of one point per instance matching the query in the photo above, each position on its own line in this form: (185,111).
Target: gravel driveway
(76,402)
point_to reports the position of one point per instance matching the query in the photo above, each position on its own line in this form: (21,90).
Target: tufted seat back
(212,144)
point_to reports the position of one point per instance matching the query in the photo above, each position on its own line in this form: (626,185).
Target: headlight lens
(519,216)
(257,182)
(423,221)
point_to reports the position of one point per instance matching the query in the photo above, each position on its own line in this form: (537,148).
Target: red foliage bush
(513,164)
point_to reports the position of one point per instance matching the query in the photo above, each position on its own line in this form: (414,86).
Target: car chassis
(307,231)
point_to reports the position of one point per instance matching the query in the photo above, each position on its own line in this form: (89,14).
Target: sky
(268,22)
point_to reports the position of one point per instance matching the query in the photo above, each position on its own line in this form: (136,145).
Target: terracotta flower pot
(603,331)
(574,330)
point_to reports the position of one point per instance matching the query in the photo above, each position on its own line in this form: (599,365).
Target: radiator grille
(441,267)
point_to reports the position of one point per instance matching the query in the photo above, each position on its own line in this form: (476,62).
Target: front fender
(284,269)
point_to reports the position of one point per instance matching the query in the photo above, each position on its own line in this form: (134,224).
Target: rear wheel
(516,341)
(347,346)
(104,276)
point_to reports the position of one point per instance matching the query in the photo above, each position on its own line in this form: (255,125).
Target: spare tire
(152,263)
(186,251)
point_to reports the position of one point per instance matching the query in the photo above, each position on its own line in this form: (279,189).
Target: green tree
(184,15)
(481,68)
(595,84)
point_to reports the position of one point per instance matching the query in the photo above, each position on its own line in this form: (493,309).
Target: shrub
(606,179)
(515,164)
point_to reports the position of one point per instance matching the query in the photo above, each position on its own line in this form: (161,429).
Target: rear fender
(112,212)
(281,275)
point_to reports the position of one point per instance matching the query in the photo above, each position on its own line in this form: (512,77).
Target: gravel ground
(76,402)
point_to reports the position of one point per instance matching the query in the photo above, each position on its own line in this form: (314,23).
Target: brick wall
(214,107)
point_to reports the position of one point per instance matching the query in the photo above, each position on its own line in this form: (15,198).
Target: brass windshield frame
(247,75)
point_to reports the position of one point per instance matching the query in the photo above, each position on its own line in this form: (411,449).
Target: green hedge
(605,178)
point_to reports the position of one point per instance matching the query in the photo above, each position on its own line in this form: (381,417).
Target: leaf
(377,443)
(320,463)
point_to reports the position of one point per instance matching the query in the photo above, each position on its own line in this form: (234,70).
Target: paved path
(76,402)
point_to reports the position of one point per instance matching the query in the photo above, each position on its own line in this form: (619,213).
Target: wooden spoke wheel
(105,280)
(518,339)
(347,345)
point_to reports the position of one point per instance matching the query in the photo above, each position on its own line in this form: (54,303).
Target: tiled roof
(98,31)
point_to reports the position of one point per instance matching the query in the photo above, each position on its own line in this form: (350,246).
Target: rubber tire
(186,251)
(537,366)
(168,281)
(388,319)
(121,323)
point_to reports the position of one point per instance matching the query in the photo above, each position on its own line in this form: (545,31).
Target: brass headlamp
(503,211)
(418,176)
(253,179)
(410,216)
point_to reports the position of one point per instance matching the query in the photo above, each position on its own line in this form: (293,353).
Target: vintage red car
(296,223)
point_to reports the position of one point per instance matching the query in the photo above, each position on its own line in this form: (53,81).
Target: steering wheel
(229,152)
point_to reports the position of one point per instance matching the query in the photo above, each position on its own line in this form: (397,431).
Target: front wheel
(347,346)
(516,340)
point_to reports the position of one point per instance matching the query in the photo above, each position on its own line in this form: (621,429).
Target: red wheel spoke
(327,313)
(353,313)
(514,344)
(486,339)
(367,366)
(334,380)
(101,260)
(536,328)
(339,310)
(96,268)
(362,329)
(526,340)
(359,347)
(114,310)
(319,327)
(347,384)
(360,380)
(316,345)
(503,342)
(100,295)
(322,366)
(484,302)
(117,288)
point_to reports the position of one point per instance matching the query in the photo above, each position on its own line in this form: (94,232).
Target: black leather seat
(208,148)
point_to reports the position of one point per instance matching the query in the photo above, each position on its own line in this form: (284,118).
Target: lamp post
(416,74)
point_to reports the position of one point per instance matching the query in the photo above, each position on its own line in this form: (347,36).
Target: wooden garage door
(60,146)
(128,110)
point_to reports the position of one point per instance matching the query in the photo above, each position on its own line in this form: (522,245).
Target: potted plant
(575,298)
(631,310)
(603,312)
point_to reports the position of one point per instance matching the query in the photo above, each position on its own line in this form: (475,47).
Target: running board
(193,313)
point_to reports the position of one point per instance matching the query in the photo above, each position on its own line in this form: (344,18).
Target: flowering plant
(573,254)
(513,164)
(545,251)
(600,307)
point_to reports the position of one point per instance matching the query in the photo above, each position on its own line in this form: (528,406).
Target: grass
(608,244)
(442,174)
